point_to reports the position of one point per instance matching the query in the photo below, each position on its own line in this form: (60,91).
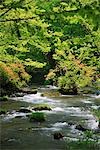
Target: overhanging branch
(16,19)
(5,12)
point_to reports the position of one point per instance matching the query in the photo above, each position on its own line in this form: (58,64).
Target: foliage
(83,145)
(4,98)
(37,116)
(96,112)
(75,43)
(58,37)
(14,74)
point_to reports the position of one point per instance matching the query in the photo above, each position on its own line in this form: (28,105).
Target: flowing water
(17,132)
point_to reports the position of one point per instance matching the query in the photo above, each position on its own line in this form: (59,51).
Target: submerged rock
(58,136)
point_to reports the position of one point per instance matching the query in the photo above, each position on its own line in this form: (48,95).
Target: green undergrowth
(82,145)
(37,117)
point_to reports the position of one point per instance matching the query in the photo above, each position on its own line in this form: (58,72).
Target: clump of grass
(97,113)
(37,117)
(82,145)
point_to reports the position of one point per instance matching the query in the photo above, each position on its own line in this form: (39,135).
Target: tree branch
(16,19)
(5,12)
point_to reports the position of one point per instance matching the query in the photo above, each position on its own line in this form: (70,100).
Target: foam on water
(36,99)
(13,115)
(87,101)
(96,96)
(50,87)
(51,129)
(58,109)
(92,124)
(95,107)
(60,124)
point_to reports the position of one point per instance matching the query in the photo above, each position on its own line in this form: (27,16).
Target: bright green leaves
(19,49)
(74,73)
(35,64)
(38,33)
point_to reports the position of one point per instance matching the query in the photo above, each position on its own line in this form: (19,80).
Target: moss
(51,94)
(37,117)
(2,111)
(4,98)
(42,107)
(82,145)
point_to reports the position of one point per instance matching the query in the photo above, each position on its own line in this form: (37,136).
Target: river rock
(18,117)
(19,94)
(4,98)
(70,123)
(51,94)
(24,110)
(28,91)
(58,136)
(40,108)
(80,128)
(68,91)
(2,112)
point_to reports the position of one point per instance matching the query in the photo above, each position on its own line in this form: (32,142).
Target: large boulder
(42,107)
(2,112)
(4,98)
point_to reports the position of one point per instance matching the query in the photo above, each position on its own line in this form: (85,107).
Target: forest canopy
(59,38)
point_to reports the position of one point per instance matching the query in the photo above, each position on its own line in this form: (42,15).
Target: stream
(17,132)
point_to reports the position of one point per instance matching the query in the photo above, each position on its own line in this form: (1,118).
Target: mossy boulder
(37,117)
(2,111)
(51,94)
(42,107)
(4,98)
